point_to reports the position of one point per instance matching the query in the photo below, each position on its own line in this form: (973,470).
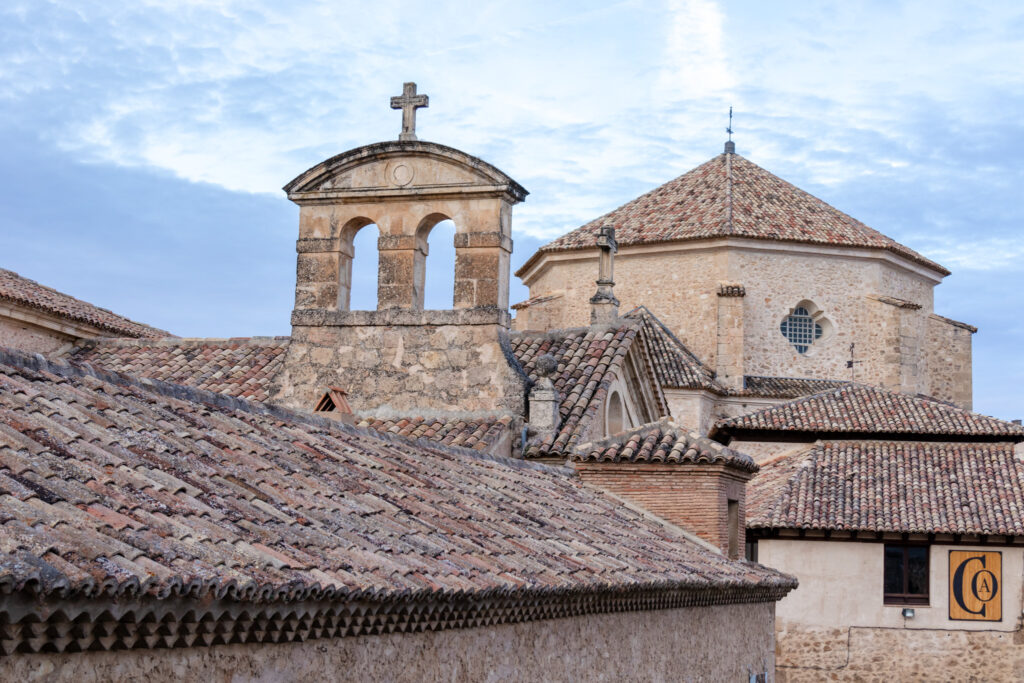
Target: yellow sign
(975,585)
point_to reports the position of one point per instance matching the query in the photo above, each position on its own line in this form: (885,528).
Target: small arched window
(616,413)
(801,329)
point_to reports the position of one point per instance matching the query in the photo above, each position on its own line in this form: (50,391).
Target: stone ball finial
(546,365)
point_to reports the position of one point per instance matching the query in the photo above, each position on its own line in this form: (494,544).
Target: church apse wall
(879,303)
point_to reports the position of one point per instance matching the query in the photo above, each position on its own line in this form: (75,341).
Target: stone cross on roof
(409,102)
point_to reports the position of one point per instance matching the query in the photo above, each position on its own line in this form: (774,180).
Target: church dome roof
(730,196)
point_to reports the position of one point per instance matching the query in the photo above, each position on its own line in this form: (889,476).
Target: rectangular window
(906,574)
(734,529)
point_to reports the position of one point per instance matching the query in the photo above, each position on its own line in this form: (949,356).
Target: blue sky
(145,143)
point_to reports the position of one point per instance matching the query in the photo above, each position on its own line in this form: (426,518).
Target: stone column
(604,307)
(396,272)
(317,274)
(729,353)
(482,269)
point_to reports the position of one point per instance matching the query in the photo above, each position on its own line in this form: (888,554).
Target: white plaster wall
(841,586)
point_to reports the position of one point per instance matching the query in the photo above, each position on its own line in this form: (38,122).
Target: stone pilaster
(729,366)
(604,307)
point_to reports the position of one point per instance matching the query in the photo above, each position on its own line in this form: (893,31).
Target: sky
(145,143)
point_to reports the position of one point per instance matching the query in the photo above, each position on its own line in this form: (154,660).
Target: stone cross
(604,307)
(409,102)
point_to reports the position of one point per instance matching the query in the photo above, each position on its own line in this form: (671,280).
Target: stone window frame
(906,597)
(812,327)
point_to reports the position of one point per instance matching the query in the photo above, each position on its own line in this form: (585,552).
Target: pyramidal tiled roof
(21,290)
(730,196)
(904,486)
(862,409)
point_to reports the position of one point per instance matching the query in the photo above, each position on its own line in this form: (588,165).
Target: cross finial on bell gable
(409,102)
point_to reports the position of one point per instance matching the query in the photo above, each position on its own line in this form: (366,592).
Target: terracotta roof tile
(786,387)
(242,367)
(662,442)
(218,495)
(674,364)
(904,486)
(588,359)
(730,196)
(859,408)
(21,290)
(475,433)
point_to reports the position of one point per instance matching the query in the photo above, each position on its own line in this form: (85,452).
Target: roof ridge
(122,325)
(729,227)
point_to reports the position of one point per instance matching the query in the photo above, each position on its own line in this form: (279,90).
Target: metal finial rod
(729,129)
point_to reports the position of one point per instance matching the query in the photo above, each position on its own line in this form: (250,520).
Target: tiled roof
(113,486)
(859,408)
(674,364)
(242,367)
(662,442)
(476,433)
(21,290)
(904,486)
(730,196)
(587,358)
(786,387)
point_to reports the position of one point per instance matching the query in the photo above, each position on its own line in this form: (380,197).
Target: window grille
(800,329)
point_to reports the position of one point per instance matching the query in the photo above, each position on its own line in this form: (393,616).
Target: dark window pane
(917,570)
(893,569)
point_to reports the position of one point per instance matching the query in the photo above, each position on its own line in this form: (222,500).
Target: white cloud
(581,103)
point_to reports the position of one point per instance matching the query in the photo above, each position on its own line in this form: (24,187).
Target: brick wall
(694,497)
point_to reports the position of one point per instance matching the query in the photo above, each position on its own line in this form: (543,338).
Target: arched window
(616,414)
(357,286)
(434,265)
(439,284)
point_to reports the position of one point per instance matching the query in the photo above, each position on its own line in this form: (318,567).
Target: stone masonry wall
(948,358)
(694,497)
(721,643)
(402,363)
(681,289)
(679,284)
(20,335)
(893,654)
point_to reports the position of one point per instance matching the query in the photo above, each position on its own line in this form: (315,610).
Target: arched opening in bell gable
(358,266)
(435,263)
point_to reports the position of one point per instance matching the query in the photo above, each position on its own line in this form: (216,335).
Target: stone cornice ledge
(319,317)
(29,624)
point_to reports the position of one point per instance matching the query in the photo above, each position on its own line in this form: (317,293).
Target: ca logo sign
(975,580)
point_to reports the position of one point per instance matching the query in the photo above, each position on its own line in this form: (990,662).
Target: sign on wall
(975,585)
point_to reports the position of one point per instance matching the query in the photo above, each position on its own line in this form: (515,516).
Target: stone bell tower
(401,359)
